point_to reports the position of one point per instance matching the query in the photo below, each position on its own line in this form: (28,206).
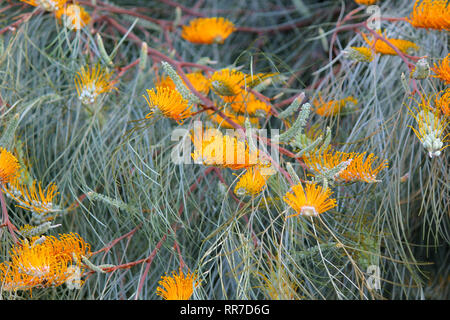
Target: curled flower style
(430,14)
(214,149)
(168,103)
(42,262)
(333,107)
(208,30)
(309,201)
(358,169)
(73,16)
(442,70)
(91,82)
(380,46)
(250,183)
(177,286)
(197,79)
(9,166)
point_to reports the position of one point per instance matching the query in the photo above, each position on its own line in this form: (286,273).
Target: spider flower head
(9,166)
(382,47)
(250,104)
(73,16)
(430,14)
(34,198)
(358,168)
(251,183)
(442,102)
(168,103)
(333,107)
(211,148)
(178,286)
(208,30)
(92,82)
(42,262)
(442,70)
(48,5)
(228,83)
(310,200)
(197,79)
(430,128)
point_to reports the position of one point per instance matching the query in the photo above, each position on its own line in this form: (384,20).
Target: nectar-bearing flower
(168,103)
(442,70)
(250,183)
(442,102)
(9,166)
(430,14)
(43,262)
(197,79)
(208,30)
(228,83)
(178,286)
(382,47)
(41,202)
(333,107)
(91,82)
(73,16)
(353,166)
(310,200)
(211,148)
(430,128)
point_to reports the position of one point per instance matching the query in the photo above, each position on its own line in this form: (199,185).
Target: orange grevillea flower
(360,168)
(248,103)
(366,2)
(212,148)
(91,82)
(228,83)
(49,5)
(430,14)
(168,103)
(208,30)
(442,102)
(332,107)
(237,118)
(442,70)
(9,166)
(73,16)
(380,46)
(250,183)
(431,127)
(33,197)
(43,262)
(311,200)
(177,286)
(197,79)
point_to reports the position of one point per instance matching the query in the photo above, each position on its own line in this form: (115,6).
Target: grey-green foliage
(229,242)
